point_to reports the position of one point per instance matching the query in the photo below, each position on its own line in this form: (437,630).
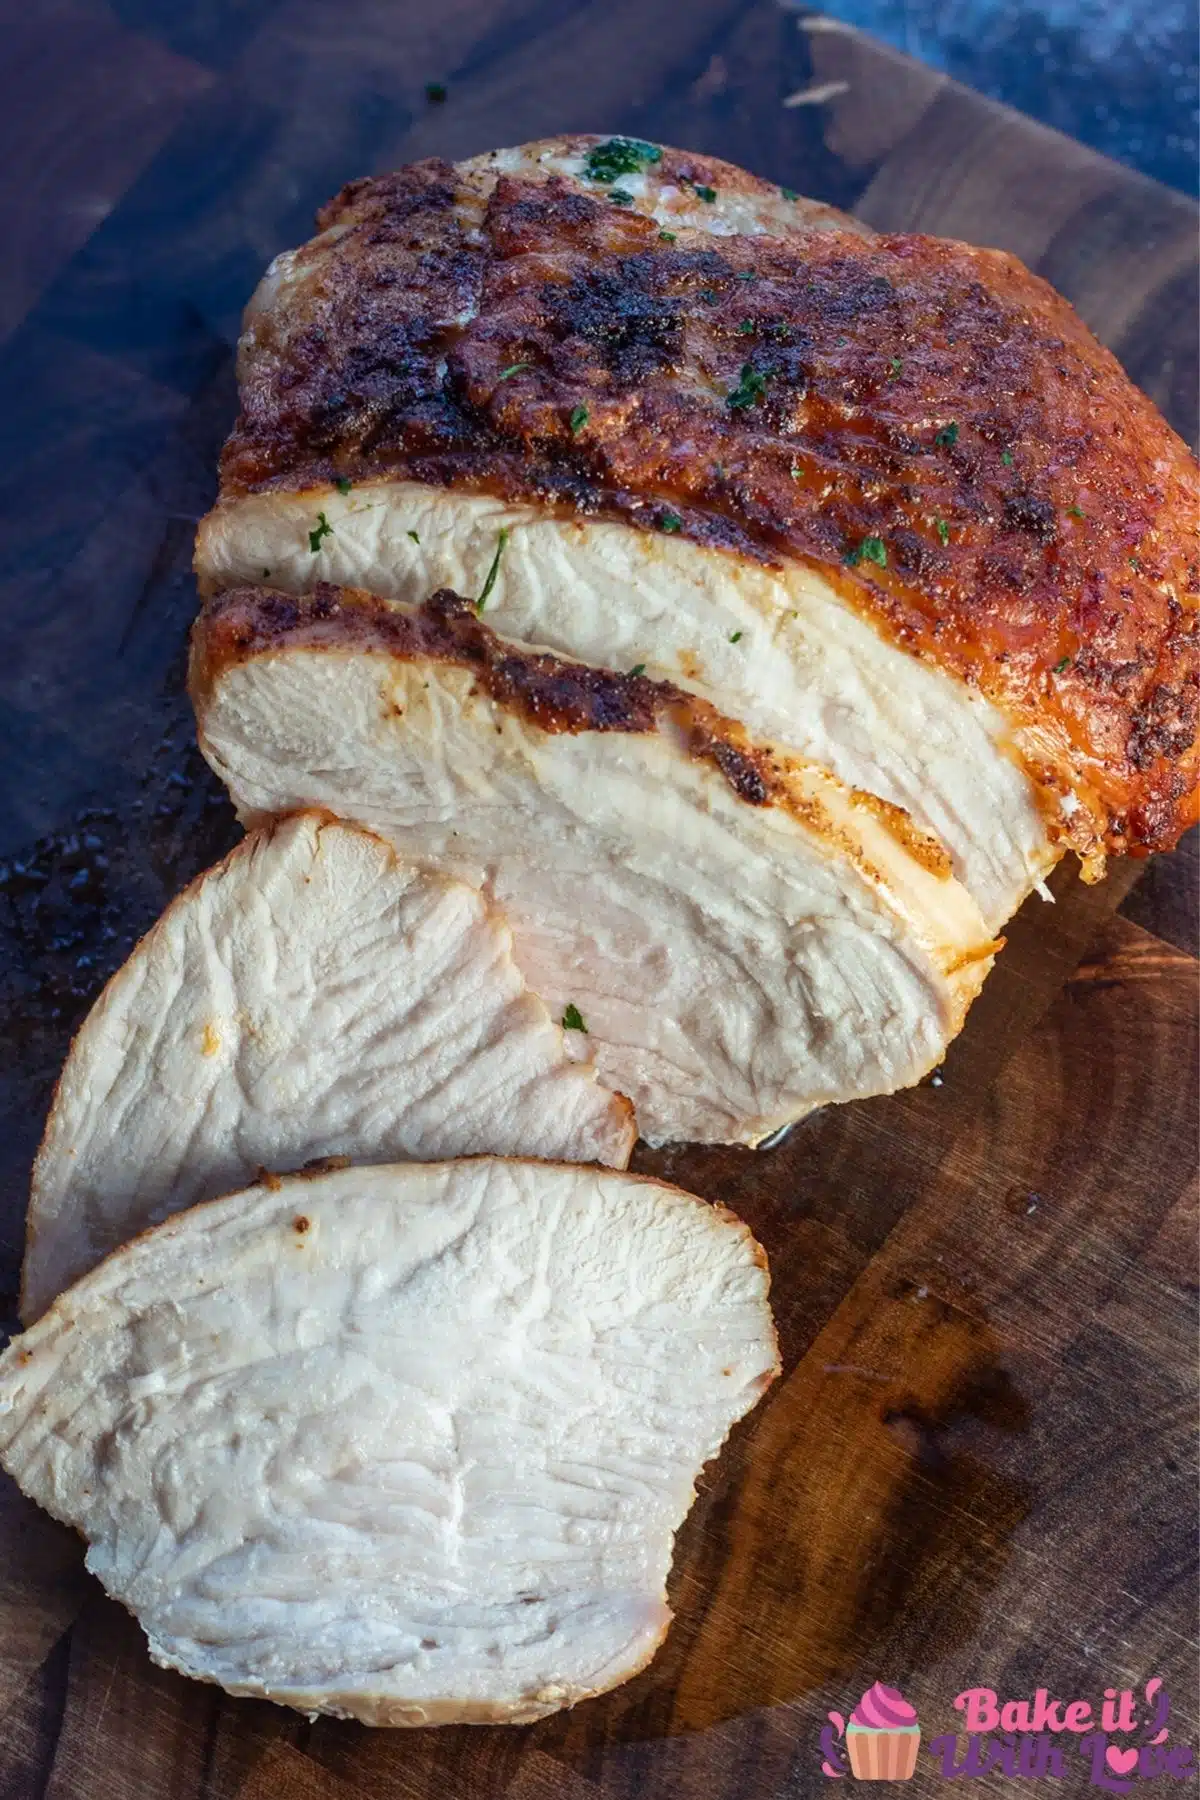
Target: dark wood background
(979,1466)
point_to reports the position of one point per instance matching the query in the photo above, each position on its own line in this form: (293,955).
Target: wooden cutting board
(979,1466)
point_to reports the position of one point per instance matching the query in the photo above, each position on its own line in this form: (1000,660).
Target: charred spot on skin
(300,1224)
(1032,515)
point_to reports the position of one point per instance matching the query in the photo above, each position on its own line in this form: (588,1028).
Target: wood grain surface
(979,1466)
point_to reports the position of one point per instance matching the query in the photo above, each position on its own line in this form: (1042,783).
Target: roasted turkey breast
(741,936)
(311,996)
(408,1445)
(883,499)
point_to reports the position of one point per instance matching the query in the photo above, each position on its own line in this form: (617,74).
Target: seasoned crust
(907,398)
(548,691)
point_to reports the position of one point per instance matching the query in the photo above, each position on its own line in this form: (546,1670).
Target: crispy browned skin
(907,398)
(553,694)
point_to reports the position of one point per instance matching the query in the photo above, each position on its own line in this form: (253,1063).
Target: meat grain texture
(312,996)
(408,1445)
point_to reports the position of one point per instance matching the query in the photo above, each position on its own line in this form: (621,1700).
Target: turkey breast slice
(405,1444)
(311,996)
(742,937)
(882,497)
(777,648)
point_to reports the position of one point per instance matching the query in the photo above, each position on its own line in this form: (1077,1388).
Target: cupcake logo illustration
(881,1739)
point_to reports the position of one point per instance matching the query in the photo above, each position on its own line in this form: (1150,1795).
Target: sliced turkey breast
(311,996)
(742,937)
(408,1445)
(884,499)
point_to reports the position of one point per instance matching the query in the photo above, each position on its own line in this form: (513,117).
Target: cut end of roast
(741,937)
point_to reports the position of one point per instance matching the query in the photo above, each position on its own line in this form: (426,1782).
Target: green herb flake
(579,418)
(1135,562)
(572,1019)
(709,296)
(797,472)
(707,194)
(872,549)
(947,435)
(619,156)
(435,93)
(1006,457)
(669,521)
(789,193)
(943,530)
(322,529)
(747,275)
(1061,664)
(638,669)
(1076,512)
(895,365)
(512,369)
(413,535)
(619,197)
(342,485)
(666,237)
(746,327)
(735,637)
(490,580)
(751,387)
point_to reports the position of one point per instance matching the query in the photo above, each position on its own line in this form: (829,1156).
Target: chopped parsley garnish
(947,435)
(751,387)
(490,580)
(414,537)
(747,275)
(746,327)
(872,549)
(666,237)
(709,296)
(707,194)
(943,530)
(638,669)
(513,369)
(572,1019)
(1006,457)
(789,193)
(669,521)
(619,156)
(734,636)
(322,529)
(797,472)
(435,93)
(1061,664)
(579,418)
(1076,512)
(342,485)
(1135,562)
(620,198)
(895,365)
